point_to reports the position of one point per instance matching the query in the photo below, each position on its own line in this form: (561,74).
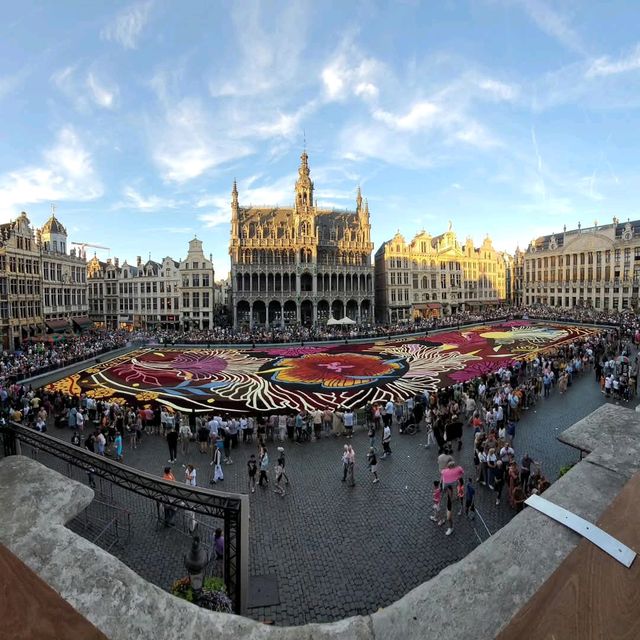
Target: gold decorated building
(596,267)
(300,264)
(432,276)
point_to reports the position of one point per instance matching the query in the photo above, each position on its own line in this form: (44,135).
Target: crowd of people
(491,406)
(39,357)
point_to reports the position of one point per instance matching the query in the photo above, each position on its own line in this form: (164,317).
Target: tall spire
(304,185)
(234,210)
(359,199)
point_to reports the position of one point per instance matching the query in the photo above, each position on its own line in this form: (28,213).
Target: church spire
(234,210)
(304,185)
(359,199)
(234,194)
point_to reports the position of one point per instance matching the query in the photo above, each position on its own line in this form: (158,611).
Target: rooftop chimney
(139,261)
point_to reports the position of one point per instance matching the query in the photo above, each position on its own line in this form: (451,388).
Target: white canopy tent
(343,321)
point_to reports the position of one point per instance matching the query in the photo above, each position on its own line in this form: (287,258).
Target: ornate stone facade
(595,267)
(64,280)
(153,295)
(301,264)
(197,289)
(430,276)
(20,283)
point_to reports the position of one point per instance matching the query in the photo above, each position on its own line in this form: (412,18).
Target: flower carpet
(268,378)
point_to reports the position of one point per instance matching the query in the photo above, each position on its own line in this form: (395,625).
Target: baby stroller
(408,427)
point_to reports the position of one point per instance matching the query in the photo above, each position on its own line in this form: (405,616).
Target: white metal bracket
(586,529)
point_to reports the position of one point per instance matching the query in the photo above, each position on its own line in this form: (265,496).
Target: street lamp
(195,562)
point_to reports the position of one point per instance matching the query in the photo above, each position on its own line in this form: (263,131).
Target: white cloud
(65,174)
(553,24)
(280,192)
(10,83)
(84,91)
(101,95)
(420,116)
(476,135)
(499,90)
(126,28)
(285,125)
(366,90)
(351,73)
(605,66)
(215,219)
(190,142)
(268,49)
(148,203)
(64,80)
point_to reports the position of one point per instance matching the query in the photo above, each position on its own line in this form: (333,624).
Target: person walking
(388,413)
(279,471)
(386,441)
(351,465)
(203,436)
(282,463)
(169,510)
(372,460)
(185,437)
(172,442)
(252,469)
(371,432)
(218,475)
(101,443)
(218,549)
(469,500)
(345,462)
(263,461)
(348,420)
(190,475)
(117,445)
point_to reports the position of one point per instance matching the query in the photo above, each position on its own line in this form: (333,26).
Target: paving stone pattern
(336,550)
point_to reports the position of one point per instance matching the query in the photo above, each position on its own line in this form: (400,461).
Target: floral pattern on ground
(295,377)
(334,371)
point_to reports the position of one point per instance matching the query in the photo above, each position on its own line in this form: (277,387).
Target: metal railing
(200,504)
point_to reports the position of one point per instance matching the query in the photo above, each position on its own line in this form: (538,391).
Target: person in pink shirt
(449,477)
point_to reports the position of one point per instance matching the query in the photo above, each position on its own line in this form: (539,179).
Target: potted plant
(213,595)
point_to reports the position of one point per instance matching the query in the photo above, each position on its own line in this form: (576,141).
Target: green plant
(213,596)
(214,584)
(182,589)
(565,469)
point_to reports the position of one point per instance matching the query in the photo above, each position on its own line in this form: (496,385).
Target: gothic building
(300,264)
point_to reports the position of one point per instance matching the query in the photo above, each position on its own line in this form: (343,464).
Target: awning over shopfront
(82,322)
(58,325)
(434,305)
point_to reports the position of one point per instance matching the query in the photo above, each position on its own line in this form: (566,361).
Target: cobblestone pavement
(339,551)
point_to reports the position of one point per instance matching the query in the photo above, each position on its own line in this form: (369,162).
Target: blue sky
(507,117)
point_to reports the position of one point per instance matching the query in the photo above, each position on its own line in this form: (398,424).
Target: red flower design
(340,370)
